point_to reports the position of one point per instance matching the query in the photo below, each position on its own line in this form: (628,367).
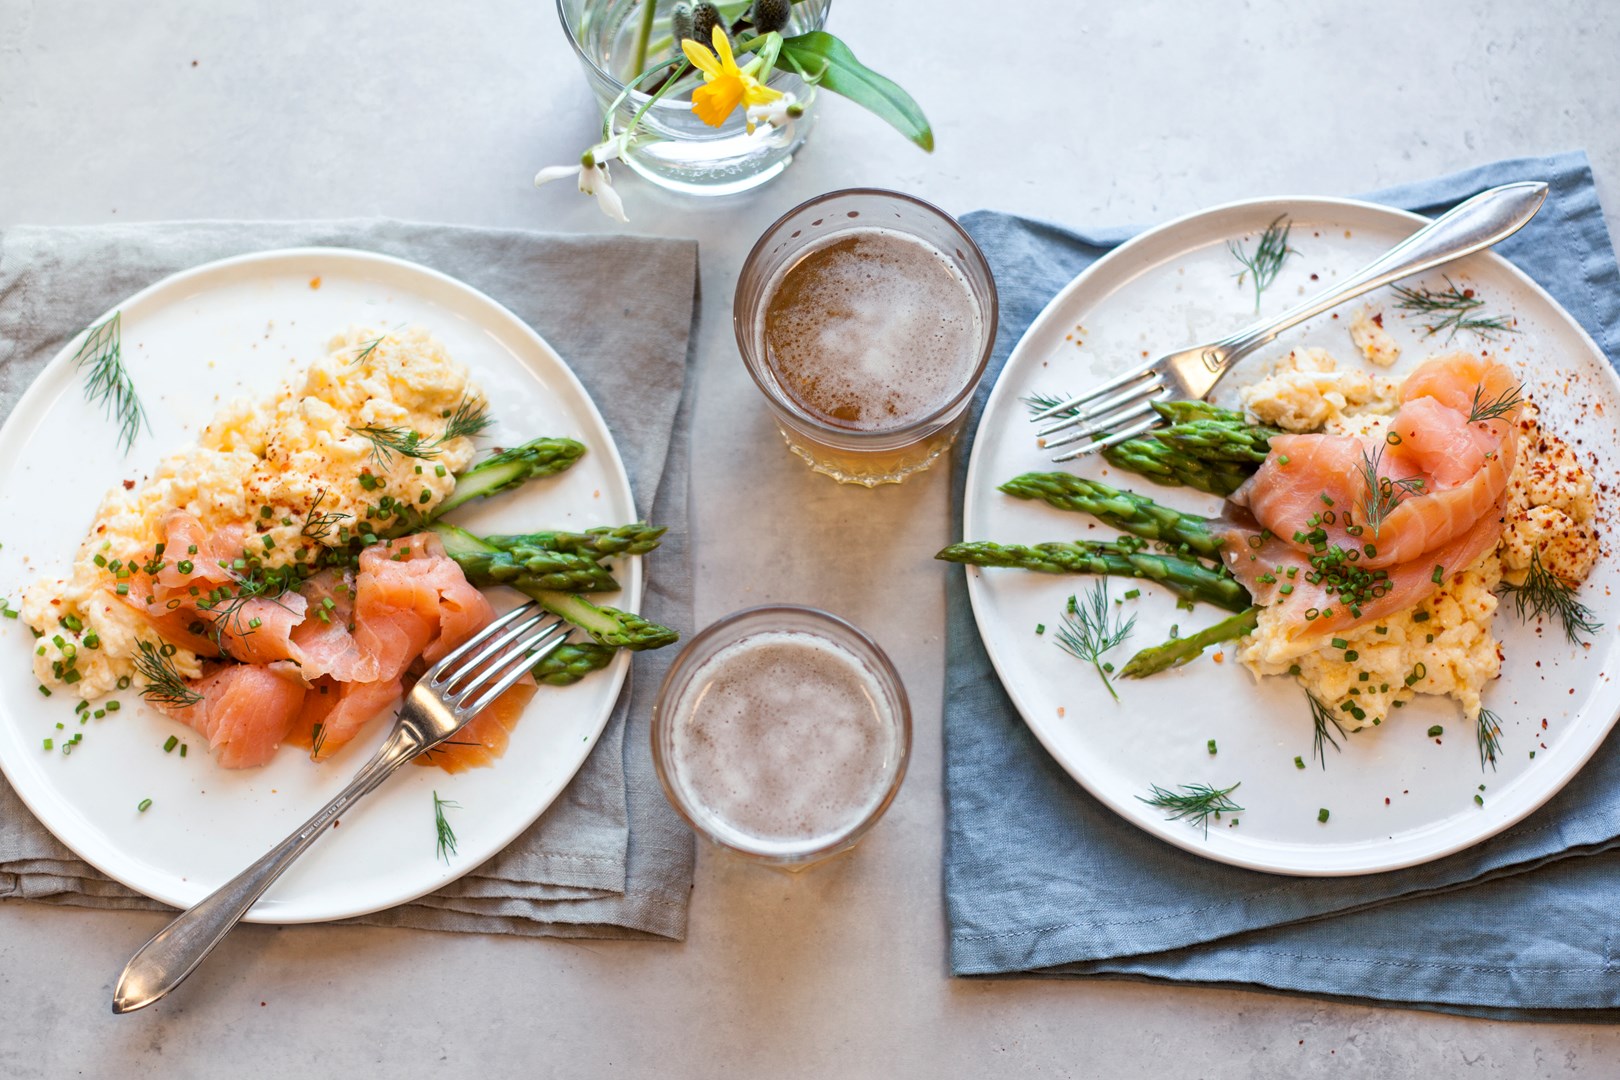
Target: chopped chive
(1436,731)
(1339,643)
(50,744)
(1439,575)
(1040,628)
(1421,616)
(1212,746)
(144,805)
(439,470)
(170,743)
(1322,814)
(1299,762)
(182,749)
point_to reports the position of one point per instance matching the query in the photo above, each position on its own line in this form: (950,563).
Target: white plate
(192,342)
(1395,797)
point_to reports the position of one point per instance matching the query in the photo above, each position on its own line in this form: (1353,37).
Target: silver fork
(441,703)
(1122,407)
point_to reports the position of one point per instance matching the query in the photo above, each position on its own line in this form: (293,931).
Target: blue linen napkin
(1040,878)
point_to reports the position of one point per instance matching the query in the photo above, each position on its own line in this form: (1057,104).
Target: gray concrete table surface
(1082,113)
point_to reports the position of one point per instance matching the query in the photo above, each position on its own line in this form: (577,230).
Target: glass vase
(674,148)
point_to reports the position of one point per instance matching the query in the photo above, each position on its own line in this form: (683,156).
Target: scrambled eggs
(317,450)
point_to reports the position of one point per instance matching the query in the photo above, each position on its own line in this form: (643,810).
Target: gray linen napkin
(608,858)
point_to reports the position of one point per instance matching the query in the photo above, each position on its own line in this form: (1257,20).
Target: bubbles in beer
(871,330)
(785,739)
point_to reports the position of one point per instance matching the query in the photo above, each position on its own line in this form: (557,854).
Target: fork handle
(176,951)
(1487,219)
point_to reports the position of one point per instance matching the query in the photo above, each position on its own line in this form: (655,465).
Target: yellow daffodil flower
(725,85)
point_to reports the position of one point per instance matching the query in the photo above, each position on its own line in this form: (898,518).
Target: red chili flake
(129,485)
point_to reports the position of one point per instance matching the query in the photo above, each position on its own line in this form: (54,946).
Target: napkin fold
(609,858)
(1040,878)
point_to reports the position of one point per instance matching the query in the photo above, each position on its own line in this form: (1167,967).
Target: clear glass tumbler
(781,734)
(681,152)
(869,455)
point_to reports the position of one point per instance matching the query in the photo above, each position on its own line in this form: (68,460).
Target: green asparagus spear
(609,626)
(511,468)
(485,564)
(1186,577)
(1173,467)
(601,543)
(571,662)
(1220,440)
(1125,510)
(1178,651)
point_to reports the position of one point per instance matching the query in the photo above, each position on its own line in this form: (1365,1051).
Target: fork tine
(1112,384)
(1093,416)
(1102,444)
(1105,423)
(490,653)
(511,667)
(479,638)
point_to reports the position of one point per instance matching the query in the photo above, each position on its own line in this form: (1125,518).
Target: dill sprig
(318,526)
(1042,402)
(1091,628)
(469,418)
(1382,494)
(1451,310)
(1545,593)
(1322,719)
(441,824)
(317,739)
(1497,407)
(225,604)
(1266,262)
(366,349)
(1489,734)
(108,383)
(164,686)
(1194,803)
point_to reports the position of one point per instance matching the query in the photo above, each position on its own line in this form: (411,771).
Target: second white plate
(190,342)
(1395,796)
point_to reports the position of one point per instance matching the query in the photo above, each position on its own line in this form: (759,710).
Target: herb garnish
(1497,408)
(1194,803)
(1267,260)
(1452,309)
(1091,629)
(1489,735)
(447,835)
(318,526)
(1382,494)
(366,349)
(1321,720)
(1544,592)
(109,384)
(469,419)
(164,686)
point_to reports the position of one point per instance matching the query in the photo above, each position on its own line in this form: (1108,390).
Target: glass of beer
(781,734)
(867,318)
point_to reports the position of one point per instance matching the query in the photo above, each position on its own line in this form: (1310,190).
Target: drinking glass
(883,768)
(867,457)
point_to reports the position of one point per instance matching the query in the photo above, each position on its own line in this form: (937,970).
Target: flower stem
(607,116)
(652,100)
(649,8)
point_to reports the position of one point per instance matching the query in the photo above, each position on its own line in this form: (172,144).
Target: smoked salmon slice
(245,712)
(1446,471)
(1347,529)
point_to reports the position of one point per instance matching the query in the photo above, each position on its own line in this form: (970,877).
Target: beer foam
(872,329)
(785,741)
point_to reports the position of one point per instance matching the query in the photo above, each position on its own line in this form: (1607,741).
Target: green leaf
(828,63)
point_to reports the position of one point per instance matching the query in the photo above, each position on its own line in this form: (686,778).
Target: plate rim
(25,418)
(979,600)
